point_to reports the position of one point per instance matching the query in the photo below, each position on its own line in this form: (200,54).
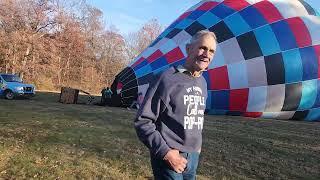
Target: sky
(130,15)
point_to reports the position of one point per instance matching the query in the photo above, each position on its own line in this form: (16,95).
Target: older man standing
(170,120)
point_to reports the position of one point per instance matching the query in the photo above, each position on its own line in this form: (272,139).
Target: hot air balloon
(266,64)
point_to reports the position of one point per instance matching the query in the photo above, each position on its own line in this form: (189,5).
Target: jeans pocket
(193,159)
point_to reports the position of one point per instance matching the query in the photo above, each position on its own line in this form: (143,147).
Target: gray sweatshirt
(172,113)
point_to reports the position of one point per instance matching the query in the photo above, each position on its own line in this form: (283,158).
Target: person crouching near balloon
(170,120)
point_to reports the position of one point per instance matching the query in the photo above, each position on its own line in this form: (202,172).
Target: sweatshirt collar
(182,69)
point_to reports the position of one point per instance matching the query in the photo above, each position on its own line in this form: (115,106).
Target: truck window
(11,78)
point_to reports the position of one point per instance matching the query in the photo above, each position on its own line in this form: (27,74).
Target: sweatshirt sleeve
(145,122)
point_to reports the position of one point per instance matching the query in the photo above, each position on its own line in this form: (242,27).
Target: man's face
(201,52)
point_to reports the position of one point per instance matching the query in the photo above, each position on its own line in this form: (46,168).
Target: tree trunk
(13,70)
(92,74)
(33,66)
(59,72)
(81,74)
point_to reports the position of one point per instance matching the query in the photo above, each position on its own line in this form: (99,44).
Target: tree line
(56,43)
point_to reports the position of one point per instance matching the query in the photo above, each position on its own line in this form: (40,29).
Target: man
(108,93)
(106,96)
(170,120)
(103,96)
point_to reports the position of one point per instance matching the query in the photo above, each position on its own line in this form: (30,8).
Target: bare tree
(136,42)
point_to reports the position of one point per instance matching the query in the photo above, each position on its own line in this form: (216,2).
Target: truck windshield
(11,78)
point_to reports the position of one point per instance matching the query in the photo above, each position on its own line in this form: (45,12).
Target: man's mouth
(203,60)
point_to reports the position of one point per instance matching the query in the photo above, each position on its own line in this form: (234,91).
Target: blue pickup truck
(11,86)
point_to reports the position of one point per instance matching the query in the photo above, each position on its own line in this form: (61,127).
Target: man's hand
(175,160)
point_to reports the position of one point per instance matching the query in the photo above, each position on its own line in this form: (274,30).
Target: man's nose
(206,53)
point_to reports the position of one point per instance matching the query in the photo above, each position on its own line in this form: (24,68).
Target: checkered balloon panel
(266,63)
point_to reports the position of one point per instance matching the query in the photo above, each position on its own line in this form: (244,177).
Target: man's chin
(202,67)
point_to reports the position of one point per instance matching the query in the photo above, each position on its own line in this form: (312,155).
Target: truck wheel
(9,95)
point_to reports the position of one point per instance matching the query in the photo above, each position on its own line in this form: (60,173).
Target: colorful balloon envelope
(266,63)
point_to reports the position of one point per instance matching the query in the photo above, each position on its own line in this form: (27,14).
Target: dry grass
(43,139)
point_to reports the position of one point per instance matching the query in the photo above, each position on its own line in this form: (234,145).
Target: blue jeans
(162,171)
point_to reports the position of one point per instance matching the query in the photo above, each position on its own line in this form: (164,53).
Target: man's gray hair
(202,33)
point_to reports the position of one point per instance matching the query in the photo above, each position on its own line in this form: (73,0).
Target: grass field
(43,139)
